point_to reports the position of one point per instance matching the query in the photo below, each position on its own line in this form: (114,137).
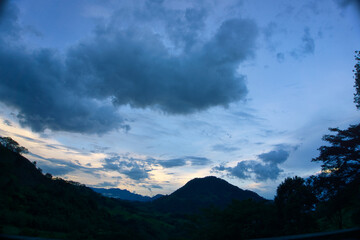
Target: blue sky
(146,95)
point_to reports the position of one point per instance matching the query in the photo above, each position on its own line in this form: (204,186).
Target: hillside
(202,193)
(33,204)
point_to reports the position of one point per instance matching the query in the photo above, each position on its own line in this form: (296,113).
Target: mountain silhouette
(124,194)
(201,193)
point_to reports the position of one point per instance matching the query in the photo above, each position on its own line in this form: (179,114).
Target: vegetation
(12,145)
(295,204)
(357,79)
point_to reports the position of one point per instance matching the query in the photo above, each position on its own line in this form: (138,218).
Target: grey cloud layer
(138,169)
(129,66)
(267,169)
(179,162)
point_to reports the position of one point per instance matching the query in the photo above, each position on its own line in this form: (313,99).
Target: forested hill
(34,204)
(200,193)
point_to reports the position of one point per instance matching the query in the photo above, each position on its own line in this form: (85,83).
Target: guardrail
(346,234)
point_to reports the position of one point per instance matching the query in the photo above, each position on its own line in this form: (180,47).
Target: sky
(147,95)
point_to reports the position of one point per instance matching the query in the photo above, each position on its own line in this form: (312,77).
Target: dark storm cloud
(128,66)
(9,27)
(33,82)
(346,3)
(267,169)
(134,67)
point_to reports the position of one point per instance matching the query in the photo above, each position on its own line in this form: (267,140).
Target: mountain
(204,192)
(124,194)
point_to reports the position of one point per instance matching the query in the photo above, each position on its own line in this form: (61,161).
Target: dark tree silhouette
(12,145)
(295,202)
(337,186)
(357,79)
(341,160)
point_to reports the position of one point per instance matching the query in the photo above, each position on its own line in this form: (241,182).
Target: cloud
(176,162)
(128,65)
(9,27)
(134,168)
(139,168)
(198,161)
(106,184)
(268,33)
(266,169)
(136,172)
(179,162)
(134,67)
(60,167)
(7,122)
(307,45)
(32,81)
(275,157)
(224,148)
(346,3)
(280,57)
(56,170)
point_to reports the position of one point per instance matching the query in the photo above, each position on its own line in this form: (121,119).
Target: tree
(337,186)
(357,79)
(295,203)
(12,145)
(341,160)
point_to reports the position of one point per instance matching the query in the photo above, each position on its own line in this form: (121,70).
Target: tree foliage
(295,202)
(337,186)
(357,79)
(12,145)
(341,160)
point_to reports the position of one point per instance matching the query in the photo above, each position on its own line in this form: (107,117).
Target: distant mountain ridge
(124,194)
(204,192)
